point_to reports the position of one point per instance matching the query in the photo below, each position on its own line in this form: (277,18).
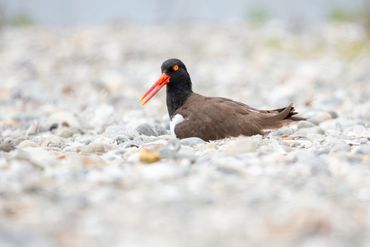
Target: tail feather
(278,117)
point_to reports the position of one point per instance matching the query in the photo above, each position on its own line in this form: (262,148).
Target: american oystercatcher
(211,118)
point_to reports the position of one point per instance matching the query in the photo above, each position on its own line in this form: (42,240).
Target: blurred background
(72,128)
(84,12)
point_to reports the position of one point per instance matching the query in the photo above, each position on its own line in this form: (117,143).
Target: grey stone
(68,132)
(363,149)
(146,129)
(305,124)
(6,146)
(160,130)
(191,141)
(171,148)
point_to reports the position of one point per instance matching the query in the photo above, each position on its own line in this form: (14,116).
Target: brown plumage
(212,118)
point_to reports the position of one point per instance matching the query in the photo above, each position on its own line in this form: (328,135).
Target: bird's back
(212,118)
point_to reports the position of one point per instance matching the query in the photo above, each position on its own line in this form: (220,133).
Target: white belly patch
(175,120)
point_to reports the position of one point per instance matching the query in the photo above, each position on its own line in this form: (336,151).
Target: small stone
(54,126)
(146,129)
(27,144)
(323,116)
(92,161)
(333,114)
(62,119)
(367,159)
(33,129)
(129,143)
(288,138)
(96,148)
(243,145)
(53,141)
(298,143)
(191,141)
(284,131)
(6,146)
(172,147)
(363,149)
(67,132)
(160,130)
(305,124)
(149,156)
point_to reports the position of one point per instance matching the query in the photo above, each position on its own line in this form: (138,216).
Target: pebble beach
(83,163)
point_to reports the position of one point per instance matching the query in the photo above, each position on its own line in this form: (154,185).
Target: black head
(176,69)
(167,66)
(176,77)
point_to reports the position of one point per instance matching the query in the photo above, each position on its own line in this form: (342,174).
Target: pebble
(92,148)
(27,144)
(363,149)
(173,146)
(6,146)
(53,141)
(62,119)
(146,129)
(67,132)
(148,156)
(243,145)
(160,130)
(33,129)
(191,141)
(322,117)
(305,124)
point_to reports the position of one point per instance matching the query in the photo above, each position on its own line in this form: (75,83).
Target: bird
(211,118)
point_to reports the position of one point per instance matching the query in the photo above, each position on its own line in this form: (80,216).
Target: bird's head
(174,74)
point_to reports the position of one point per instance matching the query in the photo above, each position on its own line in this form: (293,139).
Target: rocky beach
(82,163)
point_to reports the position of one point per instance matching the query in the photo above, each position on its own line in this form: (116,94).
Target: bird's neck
(177,94)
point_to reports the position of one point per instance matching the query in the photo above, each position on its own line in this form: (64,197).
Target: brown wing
(212,118)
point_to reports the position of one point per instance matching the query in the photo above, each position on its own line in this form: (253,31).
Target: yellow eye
(175,68)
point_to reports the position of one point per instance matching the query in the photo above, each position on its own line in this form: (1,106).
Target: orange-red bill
(161,82)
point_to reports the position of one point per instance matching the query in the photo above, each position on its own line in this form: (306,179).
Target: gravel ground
(82,163)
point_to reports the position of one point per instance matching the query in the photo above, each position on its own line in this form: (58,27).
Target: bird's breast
(178,118)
